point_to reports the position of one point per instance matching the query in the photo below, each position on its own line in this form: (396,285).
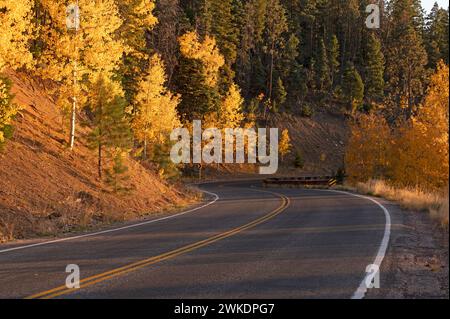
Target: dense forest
(136,69)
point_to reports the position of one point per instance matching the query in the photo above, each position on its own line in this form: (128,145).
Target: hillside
(45,188)
(320,140)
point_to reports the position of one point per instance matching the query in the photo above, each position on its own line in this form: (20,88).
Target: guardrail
(302,181)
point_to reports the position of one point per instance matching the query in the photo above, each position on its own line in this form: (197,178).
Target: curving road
(245,241)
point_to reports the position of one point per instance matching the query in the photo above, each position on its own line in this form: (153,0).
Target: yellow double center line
(89,281)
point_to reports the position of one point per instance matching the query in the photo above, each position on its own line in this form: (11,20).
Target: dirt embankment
(46,189)
(320,141)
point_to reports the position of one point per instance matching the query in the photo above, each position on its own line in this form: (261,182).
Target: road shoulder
(417,261)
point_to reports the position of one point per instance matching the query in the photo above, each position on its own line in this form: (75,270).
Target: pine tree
(374,69)
(16,33)
(436,35)
(111,129)
(280,95)
(224,30)
(299,162)
(405,58)
(276,26)
(138,19)
(197,76)
(206,52)
(353,87)
(156,107)
(116,176)
(322,68)
(197,98)
(250,69)
(172,23)
(333,59)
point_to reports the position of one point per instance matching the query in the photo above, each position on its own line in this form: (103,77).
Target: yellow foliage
(206,51)
(420,157)
(94,47)
(138,18)
(231,108)
(16,32)
(284,146)
(156,115)
(415,155)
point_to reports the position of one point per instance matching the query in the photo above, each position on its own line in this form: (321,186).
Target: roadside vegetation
(408,161)
(435,203)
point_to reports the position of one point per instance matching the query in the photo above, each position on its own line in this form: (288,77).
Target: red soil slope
(45,188)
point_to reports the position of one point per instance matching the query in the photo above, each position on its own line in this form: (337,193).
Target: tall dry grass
(437,204)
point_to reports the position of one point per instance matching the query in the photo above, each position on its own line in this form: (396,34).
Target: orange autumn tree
(420,158)
(415,152)
(368,150)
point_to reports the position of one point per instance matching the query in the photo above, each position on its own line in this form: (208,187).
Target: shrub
(299,162)
(8,110)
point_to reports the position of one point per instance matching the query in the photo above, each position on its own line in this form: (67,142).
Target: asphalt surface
(252,242)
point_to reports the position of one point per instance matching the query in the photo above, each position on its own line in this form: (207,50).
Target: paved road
(251,242)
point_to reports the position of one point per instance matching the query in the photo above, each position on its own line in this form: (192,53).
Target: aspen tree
(156,107)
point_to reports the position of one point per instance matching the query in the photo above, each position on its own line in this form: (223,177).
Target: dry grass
(414,199)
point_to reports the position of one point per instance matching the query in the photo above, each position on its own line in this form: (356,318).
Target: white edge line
(362,289)
(216,198)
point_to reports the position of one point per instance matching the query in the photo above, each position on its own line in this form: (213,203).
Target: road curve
(246,242)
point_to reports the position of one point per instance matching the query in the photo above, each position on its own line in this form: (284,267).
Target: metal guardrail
(302,181)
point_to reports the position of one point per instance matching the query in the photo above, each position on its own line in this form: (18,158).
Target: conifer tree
(223,28)
(436,35)
(276,26)
(8,110)
(322,68)
(116,176)
(111,129)
(333,59)
(138,19)
(374,69)
(405,58)
(353,88)
(280,95)
(197,98)
(197,76)
(172,23)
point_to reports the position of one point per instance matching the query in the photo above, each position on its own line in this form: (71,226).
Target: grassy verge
(436,204)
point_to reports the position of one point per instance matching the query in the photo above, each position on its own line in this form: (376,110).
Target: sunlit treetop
(15,26)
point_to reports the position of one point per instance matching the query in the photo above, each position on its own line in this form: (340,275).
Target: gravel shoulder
(416,264)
